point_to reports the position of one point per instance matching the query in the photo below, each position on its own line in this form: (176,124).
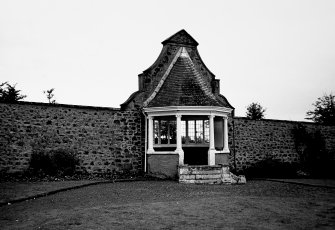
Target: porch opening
(195,155)
(195,139)
(194,136)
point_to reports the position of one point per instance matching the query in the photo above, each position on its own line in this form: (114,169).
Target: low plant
(55,162)
(272,168)
(315,160)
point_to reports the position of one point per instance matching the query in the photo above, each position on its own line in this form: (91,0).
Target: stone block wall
(110,140)
(257,140)
(106,140)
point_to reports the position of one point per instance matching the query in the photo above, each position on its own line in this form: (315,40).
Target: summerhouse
(186,117)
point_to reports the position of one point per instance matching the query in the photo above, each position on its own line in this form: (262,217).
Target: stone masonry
(255,140)
(106,140)
(110,140)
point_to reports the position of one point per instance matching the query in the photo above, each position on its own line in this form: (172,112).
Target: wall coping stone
(62,105)
(119,109)
(281,121)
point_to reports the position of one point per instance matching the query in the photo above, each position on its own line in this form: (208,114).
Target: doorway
(195,155)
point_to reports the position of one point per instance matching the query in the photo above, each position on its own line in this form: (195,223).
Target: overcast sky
(278,53)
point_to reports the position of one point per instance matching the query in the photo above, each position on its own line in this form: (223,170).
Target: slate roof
(182,38)
(184,86)
(177,78)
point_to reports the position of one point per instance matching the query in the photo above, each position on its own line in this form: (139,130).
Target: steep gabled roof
(181,38)
(183,85)
(178,77)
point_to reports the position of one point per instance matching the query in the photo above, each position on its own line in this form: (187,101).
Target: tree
(50,95)
(255,111)
(9,94)
(324,111)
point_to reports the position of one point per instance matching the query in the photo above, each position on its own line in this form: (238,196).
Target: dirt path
(169,205)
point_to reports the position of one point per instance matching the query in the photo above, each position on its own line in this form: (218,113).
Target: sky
(280,54)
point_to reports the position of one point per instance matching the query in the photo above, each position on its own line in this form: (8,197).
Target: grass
(20,190)
(169,205)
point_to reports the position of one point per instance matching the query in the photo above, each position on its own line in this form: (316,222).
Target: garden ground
(258,204)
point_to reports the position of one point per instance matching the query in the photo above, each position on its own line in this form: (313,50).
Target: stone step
(199,172)
(217,174)
(200,181)
(200,177)
(206,176)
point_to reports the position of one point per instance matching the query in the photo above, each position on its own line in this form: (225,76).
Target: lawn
(21,190)
(169,205)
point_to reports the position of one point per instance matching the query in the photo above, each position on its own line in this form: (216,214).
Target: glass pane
(191,132)
(199,133)
(164,132)
(183,132)
(173,133)
(206,124)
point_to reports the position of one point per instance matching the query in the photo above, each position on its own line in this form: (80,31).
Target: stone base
(163,166)
(204,174)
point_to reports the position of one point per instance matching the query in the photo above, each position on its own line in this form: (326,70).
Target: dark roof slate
(184,86)
(181,38)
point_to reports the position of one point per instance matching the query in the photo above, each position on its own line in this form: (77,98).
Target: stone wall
(106,140)
(111,140)
(257,140)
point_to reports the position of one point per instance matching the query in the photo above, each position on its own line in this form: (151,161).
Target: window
(165,132)
(195,131)
(192,132)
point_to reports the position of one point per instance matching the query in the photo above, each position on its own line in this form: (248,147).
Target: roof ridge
(181,38)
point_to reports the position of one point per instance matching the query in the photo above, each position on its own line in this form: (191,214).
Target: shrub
(64,161)
(272,168)
(315,160)
(56,162)
(40,163)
